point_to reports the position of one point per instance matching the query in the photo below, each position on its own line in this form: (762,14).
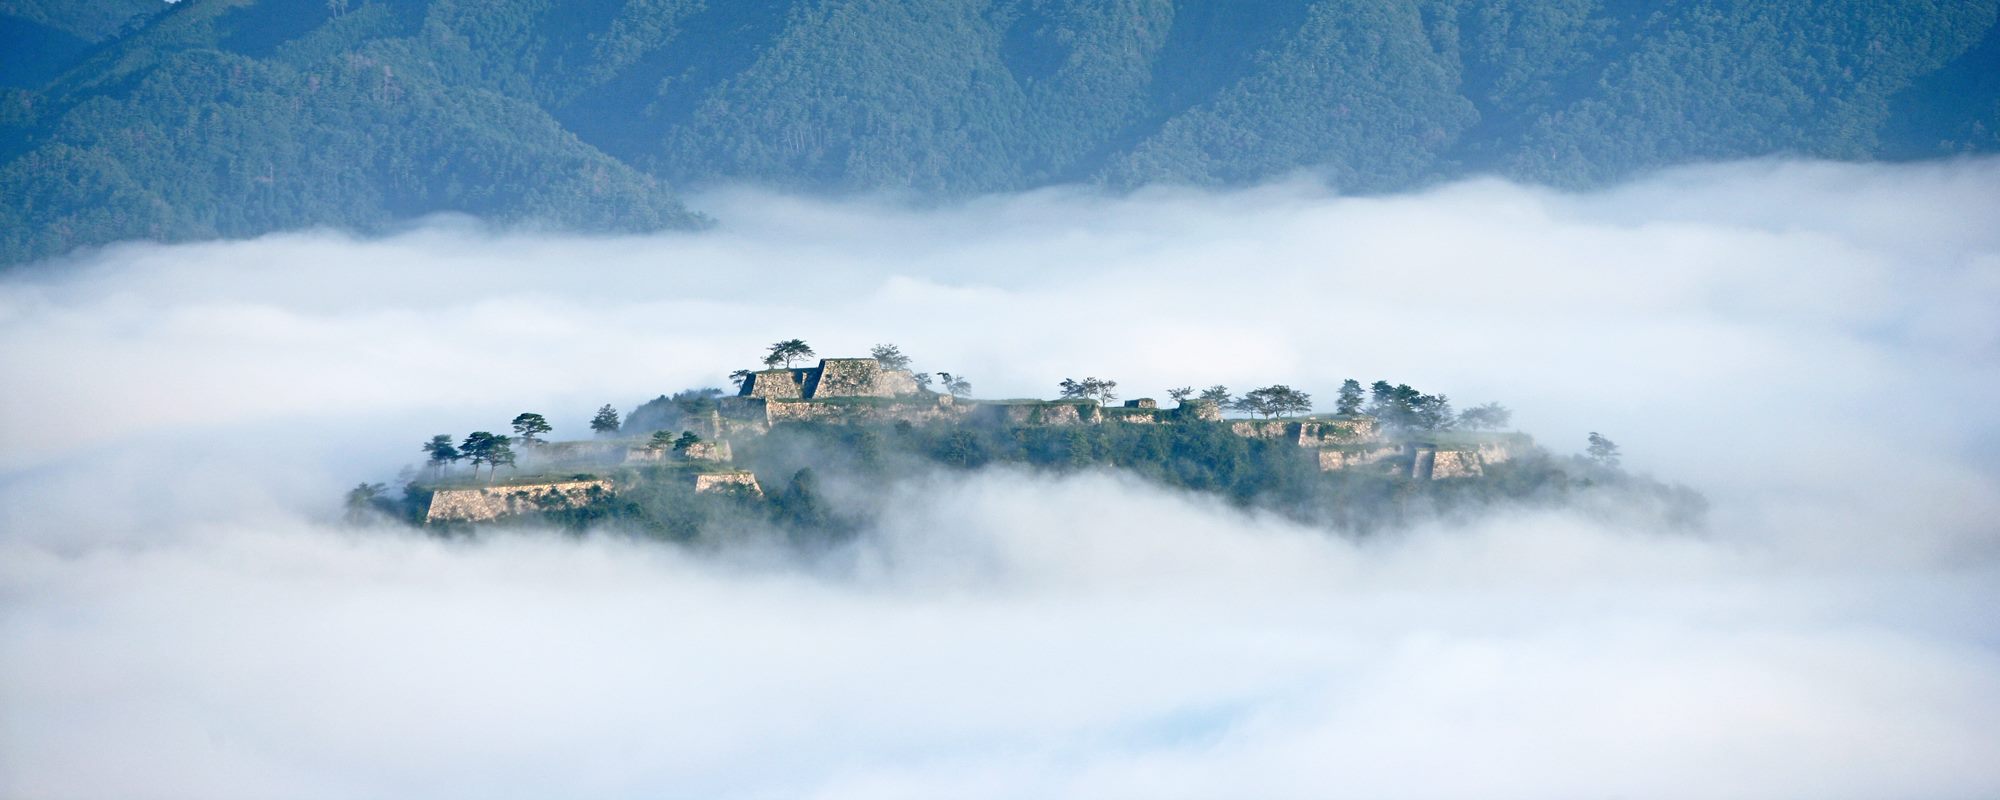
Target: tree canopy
(785,352)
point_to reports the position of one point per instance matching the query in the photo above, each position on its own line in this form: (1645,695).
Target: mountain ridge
(229,118)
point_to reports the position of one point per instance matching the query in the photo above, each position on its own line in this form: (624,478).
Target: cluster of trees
(479,448)
(673,412)
(488,449)
(1403,407)
(1277,400)
(663,441)
(1103,391)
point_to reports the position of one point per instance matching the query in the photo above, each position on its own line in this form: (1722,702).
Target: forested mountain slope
(134,119)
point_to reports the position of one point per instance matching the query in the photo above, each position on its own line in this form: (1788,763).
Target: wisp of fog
(1813,346)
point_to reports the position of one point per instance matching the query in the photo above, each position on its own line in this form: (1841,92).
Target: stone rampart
(846,377)
(1041,413)
(1199,411)
(1136,415)
(712,482)
(1310,432)
(1338,459)
(914,408)
(777,383)
(493,502)
(1456,464)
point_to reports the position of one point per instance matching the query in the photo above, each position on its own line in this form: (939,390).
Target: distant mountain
(136,119)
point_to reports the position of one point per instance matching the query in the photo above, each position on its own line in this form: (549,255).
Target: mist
(1811,345)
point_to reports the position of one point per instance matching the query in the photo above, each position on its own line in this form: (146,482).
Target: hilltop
(131,119)
(816,451)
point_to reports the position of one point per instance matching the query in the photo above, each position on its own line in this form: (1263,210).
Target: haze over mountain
(124,119)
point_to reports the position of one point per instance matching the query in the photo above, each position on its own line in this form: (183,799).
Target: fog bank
(1811,345)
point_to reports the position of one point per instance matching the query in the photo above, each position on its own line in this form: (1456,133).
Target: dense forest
(140,119)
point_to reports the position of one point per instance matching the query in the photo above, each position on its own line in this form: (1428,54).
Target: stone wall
(779,383)
(1137,415)
(834,377)
(1456,464)
(727,482)
(1336,459)
(895,383)
(717,451)
(915,408)
(1310,433)
(493,502)
(1199,411)
(845,377)
(1049,413)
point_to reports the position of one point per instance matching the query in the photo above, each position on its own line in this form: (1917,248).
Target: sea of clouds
(1813,346)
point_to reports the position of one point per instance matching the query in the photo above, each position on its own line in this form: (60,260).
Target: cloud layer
(1812,345)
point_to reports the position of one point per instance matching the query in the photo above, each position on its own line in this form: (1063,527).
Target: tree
(1217,394)
(1277,400)
(1603,451)
(530,427)
(1433,412)
(362,499)
(688,439)
(606,421)
(442,453)
(1488,417)
(662,441)
(1403,407)
(1181,394)
(955,385)
(800,507)
(739,377)
(1349,403)
(1102,391)
(787,351)
(923,381)
(502,453)
(478,449)
(889,356)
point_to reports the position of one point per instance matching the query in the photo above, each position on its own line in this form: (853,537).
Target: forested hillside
(136,119)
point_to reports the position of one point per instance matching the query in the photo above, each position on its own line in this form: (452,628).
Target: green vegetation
(784,353)
(605,421)
(138,119)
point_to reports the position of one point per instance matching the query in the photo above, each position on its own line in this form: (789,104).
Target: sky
(1810,345)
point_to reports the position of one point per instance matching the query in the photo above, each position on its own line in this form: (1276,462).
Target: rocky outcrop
(493,502)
